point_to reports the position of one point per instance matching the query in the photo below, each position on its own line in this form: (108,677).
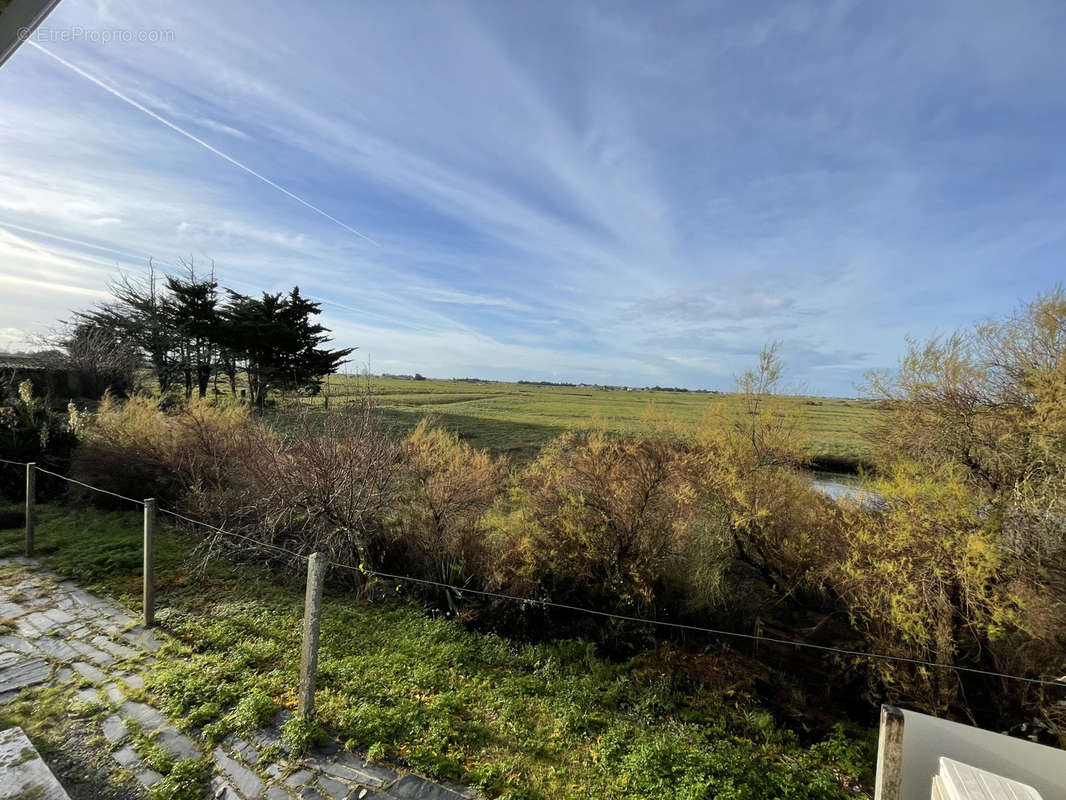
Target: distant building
(51,375)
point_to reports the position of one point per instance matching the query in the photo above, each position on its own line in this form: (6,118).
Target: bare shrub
(103,360)
(326,483)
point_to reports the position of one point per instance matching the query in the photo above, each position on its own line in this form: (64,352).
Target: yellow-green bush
(603,519)
(447,486)
(137,448)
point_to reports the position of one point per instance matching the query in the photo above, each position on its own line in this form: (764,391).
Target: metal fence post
(316,576)
(31,506)
(148,601)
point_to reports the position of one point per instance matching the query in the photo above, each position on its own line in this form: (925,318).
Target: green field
(518,419)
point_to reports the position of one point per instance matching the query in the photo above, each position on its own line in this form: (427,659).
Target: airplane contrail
(81,242)
(198,140)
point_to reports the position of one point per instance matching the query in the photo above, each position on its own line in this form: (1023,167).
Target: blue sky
(629,193)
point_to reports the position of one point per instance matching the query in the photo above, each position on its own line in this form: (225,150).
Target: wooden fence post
(31,506)
(316,576)
(148,601)
(888,782)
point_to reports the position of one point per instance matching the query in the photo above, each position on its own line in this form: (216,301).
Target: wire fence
(529,601)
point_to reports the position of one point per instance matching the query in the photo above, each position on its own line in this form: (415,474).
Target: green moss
(42,715)
(301,735)
(270,754)
(255,710)
(200,716)
(216,731)
(188,780)
(155,756)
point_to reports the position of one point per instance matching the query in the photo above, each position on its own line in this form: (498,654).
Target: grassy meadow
(518,419)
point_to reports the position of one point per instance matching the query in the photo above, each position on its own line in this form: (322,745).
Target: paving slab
(11,610)
(274,771)
(245,750)
(411,787)
(56,648)
(114,648)
(79,595)
(28,626)
(148,777)
(87,697)
(98,657)
(264,738)
(26,671)
(141,637)
(247,782)
(299,778)
(332,788)
(114,693)
(126,756)
(9,642)
(176,743)
(54,629)
(58,616)
(366,772)
(23,773)
(89,672)
(221,789)
(115,729)
(144,715)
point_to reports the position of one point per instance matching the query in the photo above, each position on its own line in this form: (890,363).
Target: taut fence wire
(529,601)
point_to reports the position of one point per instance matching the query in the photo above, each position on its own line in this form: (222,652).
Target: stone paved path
(23,773)
(64,636)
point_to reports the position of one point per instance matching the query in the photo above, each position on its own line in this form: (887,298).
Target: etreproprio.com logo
(77,33)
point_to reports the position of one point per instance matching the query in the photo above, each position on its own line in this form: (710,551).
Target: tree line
(189,331)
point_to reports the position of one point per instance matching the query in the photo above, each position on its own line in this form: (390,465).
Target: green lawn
(552,720)
(518,419)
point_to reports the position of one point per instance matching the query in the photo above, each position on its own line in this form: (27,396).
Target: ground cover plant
(518,720)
